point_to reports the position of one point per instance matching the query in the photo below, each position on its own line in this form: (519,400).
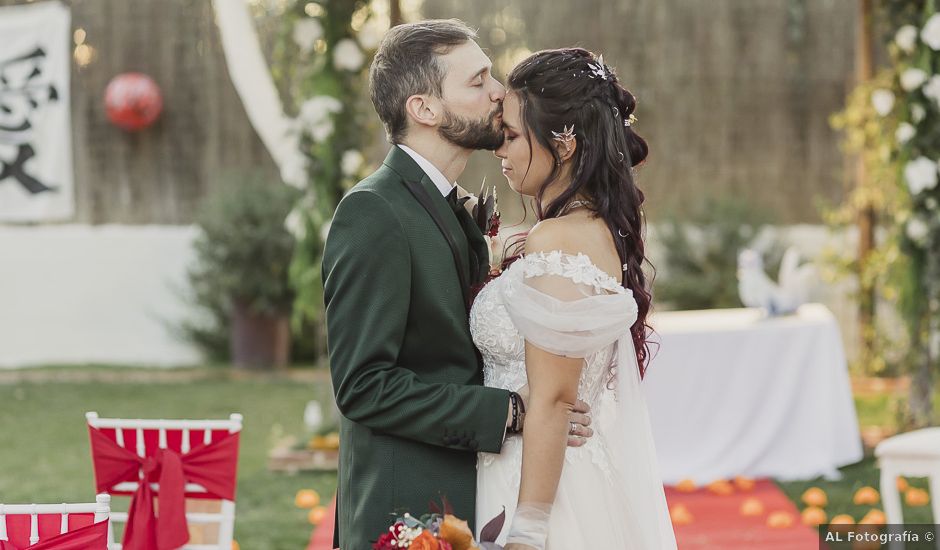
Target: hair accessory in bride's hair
(599,69)
(629,121)
(566,135)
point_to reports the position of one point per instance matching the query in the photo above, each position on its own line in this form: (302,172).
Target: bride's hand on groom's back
(579,420)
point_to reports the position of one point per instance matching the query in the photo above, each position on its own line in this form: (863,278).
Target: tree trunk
(866,216)
(394,10)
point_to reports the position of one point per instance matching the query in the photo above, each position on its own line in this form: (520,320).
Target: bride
(568,318)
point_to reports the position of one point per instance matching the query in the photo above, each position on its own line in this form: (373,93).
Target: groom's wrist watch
(518,413)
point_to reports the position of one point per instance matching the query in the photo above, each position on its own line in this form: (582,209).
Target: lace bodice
(502,344)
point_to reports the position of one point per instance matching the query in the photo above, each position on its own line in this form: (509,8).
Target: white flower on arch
(306,33)
(920,175)
(906,38)
(347,55)
(883,101)
(930,34)
(912,78)
(905,132)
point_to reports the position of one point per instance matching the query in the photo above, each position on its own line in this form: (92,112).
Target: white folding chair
(28,524)
(915,454)
(145,437)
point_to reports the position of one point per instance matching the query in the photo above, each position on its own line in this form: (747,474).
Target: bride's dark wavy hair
(559,88)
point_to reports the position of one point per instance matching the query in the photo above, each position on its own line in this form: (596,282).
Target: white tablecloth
(730,393)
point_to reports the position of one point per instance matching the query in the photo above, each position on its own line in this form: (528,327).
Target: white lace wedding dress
(610,496)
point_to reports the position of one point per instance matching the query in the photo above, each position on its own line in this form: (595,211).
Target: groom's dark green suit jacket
(406,376)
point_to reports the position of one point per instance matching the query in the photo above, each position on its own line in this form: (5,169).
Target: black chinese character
(23,92)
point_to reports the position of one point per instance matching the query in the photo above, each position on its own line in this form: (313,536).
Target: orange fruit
(902,484)
(316,515)
(752,507)
(721,487)
(873,517)
(235,545)
(916,497)
(867,544)
(744,483)
(680,515)
(686,486)
(306,498)
(814,496)
(779,520)
(813,516)
(866,496)
(842,522)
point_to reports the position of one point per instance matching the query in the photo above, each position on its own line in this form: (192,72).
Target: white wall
(75,294)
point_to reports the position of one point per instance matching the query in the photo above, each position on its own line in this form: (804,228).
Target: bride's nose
(501,151)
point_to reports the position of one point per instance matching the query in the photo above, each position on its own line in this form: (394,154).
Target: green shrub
(699,267)
(243,252)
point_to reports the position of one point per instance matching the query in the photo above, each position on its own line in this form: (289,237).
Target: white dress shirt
(436,176)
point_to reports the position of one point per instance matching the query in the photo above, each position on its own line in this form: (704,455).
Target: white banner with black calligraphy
(36,181)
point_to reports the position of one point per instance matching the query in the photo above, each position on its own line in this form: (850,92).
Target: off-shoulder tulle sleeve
(566,305)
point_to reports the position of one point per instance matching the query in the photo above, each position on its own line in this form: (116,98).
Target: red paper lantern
(132,101)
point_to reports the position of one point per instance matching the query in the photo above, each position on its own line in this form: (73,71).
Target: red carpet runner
(322,536)
(717,523)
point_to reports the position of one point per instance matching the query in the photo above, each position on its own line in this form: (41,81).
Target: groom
(399,262)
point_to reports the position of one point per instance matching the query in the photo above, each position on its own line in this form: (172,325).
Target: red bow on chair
(211,466)
(92,537)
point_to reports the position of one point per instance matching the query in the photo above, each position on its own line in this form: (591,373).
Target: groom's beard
(473,134)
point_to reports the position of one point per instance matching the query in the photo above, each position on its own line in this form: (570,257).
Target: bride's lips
(506,170)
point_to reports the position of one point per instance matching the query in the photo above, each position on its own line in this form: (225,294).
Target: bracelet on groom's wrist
(518,412)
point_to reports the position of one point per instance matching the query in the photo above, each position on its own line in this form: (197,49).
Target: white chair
(181,436)
(915,454)
(27,532)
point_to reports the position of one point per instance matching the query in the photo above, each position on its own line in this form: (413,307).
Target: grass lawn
(840,493)
(45,457)
(44,454)
(874,409)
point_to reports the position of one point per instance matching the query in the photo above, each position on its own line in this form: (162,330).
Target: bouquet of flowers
(439,531)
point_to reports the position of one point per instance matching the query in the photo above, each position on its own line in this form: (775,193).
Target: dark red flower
(385,542)
(493,225)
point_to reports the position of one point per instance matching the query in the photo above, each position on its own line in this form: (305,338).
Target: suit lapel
(429,197)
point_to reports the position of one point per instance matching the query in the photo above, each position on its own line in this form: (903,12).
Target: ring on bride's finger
(574,429)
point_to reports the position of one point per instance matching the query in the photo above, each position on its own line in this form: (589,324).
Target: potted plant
(240,275)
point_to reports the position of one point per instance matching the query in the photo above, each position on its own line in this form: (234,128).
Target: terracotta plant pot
(259,340)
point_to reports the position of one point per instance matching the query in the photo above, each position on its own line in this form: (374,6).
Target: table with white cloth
(732,392)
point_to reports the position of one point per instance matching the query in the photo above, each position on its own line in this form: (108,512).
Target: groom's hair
(406,64)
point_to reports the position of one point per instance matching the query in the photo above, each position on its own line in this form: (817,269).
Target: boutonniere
(486,212)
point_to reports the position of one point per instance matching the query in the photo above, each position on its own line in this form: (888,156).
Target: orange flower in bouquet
(457,533)
(425,541)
